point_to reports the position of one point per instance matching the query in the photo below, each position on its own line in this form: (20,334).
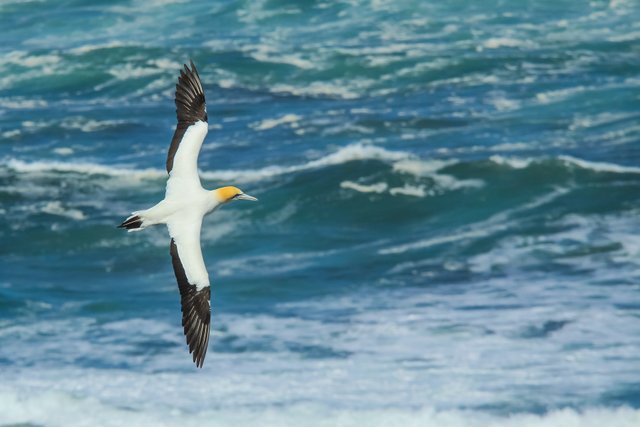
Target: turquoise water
(447,231)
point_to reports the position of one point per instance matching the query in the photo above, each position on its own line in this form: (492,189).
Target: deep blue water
(447,231)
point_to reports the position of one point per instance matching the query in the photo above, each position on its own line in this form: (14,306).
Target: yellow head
(227,194)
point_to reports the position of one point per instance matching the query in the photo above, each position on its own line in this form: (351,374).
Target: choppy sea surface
(447,232)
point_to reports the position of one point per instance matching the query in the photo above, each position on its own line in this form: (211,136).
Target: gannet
(184,206)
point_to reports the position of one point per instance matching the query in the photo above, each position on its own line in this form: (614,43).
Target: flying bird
(184,206)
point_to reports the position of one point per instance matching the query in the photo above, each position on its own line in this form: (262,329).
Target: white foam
(56,208)
(11,133)
(502,103)
(264,53)
(82,168)
(430,169)
(369,357)
(129,71)
(91,47)
(343,155)
(408,190)
(426,243)
(60,409)
(63,151)
(20,103)
(498,42)
(381,336)
(89,125)
(254,12)
(336,89)
(587,235)
(30,60)
(38,66)
(512,162)
(559,94)
(522,163)
(600,166)
(418,167)
(402,162)
(495,223)
(271,123)
(23,1)
(165,64)
(349,153)
(420,68)
(379,187)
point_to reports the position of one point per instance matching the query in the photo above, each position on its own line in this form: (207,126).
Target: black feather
(131,223)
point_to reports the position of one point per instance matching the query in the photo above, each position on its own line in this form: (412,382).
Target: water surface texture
(447,232)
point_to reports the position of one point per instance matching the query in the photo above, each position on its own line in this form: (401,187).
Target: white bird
(184,206)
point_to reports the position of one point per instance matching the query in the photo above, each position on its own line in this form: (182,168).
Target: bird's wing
(191,110)
(193,281)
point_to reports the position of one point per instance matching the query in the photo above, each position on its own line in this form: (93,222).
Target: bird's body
(183,209)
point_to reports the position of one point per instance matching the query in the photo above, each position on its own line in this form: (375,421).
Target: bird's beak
(246,197)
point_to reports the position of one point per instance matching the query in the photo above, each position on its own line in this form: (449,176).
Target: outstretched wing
(191,110)
(193,282)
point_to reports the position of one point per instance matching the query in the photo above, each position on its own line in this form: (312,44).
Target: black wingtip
(189,68)
(131,223)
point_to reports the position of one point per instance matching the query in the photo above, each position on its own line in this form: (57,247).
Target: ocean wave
(560,94)
(379,187)
(498,42)
(63,151)
(597,120)
(401,163)
(605,167)
(90,47)
(90,125)
(416,169)
(431,168)
(129,71)
(349,153)
(273,54)
(599,166)
(82,168)
(409,190)
(30,60)
(56,208)
(498,222)
(581,242)
(265,124)
(22,103)
(37,66)
(80,123)
(341,89)
(325,341)
(59,409)
(338,88)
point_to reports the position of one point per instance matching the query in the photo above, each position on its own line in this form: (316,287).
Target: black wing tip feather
(189,98)
(131,223)
(196,311)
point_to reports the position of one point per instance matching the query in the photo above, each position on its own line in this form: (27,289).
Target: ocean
(447,233)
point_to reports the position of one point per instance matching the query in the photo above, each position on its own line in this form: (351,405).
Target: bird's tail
(134,223)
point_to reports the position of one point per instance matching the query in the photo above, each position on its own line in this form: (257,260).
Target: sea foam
(349,153)
(605,167)
(57,409)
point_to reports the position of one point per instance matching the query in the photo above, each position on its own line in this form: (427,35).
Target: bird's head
(227,194)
